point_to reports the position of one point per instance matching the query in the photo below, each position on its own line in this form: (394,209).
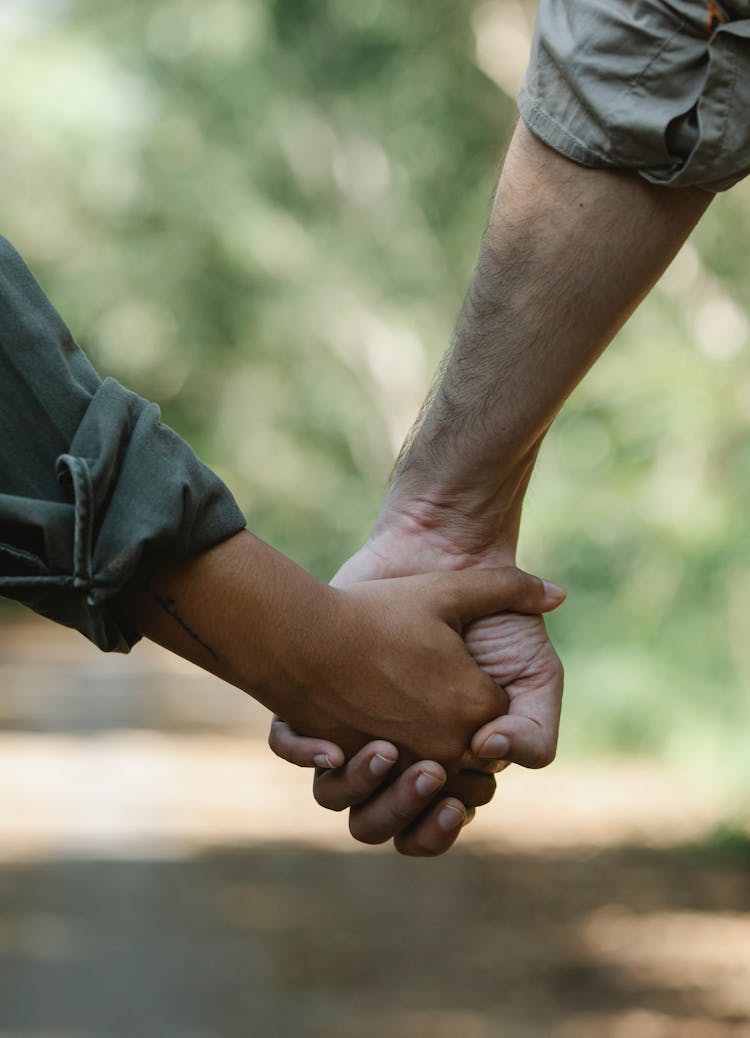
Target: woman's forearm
(241,610)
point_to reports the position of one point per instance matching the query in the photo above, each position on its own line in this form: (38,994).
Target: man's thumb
(481,592)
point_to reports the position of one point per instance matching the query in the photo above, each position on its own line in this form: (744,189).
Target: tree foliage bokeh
(263,214)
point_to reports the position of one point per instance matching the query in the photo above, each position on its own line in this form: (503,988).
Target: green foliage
(263,214)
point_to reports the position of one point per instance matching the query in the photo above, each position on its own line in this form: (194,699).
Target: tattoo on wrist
(170,608)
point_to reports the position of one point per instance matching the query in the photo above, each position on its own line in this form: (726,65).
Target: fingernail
(322,760)
(427,784)
(379,765)
(451,818)
(496,747)
(554,589)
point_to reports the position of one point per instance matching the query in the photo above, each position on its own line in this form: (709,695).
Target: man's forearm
(568,254)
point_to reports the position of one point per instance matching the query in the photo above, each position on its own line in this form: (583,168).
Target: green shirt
(91,481)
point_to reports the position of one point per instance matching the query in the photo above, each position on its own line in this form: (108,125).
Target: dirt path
(161,875)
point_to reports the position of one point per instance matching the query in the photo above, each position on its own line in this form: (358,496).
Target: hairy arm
(567,256)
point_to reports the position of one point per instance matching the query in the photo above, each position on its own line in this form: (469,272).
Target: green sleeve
(91,482)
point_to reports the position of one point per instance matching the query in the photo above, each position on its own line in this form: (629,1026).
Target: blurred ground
(161,874)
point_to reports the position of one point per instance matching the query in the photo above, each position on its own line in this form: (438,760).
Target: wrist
(443,530)
(474,513)
(420,539)
(244,612)
(282,640)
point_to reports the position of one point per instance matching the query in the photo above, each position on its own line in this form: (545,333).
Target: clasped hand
(405,675)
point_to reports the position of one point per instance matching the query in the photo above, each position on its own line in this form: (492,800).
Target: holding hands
(379,659)
(397,666)
(507,638)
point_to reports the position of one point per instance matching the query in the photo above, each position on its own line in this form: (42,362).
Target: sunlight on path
(146,792)
(144,822)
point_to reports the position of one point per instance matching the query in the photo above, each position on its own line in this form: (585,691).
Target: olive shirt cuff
(91,482)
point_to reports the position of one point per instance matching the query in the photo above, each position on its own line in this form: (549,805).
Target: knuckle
(542,756)
(428,852)
(363,833)
(550,755)
(521,582)
(416,849)
(322,796)
(319,796)
(403,811)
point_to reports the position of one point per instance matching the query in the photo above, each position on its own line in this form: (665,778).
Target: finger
(301,750)
(435,832)
(398,806)
(472,788)
(469,761)
(358,780)
(480,592)
(491,766)
(527,734)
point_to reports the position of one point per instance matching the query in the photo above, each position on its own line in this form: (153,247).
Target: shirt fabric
(91,482)
(659,87)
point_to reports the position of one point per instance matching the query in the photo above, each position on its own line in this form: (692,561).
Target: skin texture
(567,256)
(384,656)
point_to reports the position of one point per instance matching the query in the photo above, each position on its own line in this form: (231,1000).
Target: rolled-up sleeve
(91,482)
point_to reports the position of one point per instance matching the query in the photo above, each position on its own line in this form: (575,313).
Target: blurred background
(263,214)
